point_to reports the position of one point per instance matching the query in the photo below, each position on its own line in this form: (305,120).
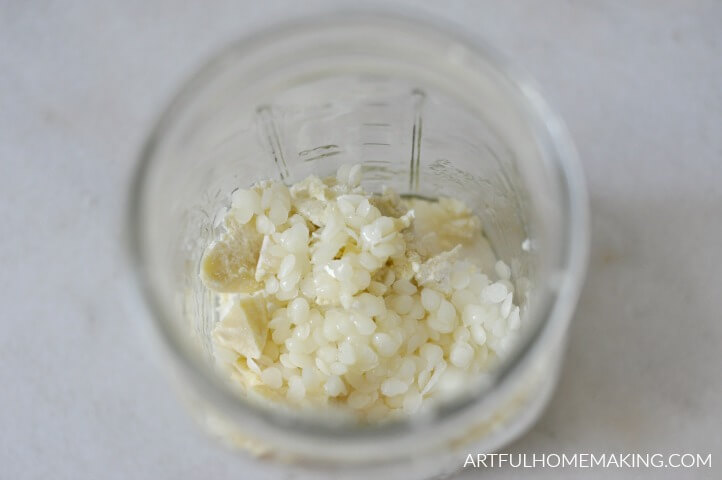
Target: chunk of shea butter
(243,326)
(229,265)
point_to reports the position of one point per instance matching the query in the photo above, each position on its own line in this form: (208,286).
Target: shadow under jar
(424,111)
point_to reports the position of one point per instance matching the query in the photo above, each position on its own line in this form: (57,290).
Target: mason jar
(423,109)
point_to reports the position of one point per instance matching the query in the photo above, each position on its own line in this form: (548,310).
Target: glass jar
(424,110)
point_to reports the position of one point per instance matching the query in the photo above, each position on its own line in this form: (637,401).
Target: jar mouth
(555,305)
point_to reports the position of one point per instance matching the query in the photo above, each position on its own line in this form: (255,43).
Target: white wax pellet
(342,173)
(287,264)
(338,368)
(334,386)
(298,310)
(505,308)
(461,354)
(364,324)
(430,299)
(245,203)
(412,401)
(346,353)
(432,353)
(494,293)
(393,387)
(278,213)
(473,315)
(358,400)
(354,175)
(296,388)
(446,311)
(384,344)
(272,377)
(478,334)
(503,270)
(460,280)
(402,304)
(404,287)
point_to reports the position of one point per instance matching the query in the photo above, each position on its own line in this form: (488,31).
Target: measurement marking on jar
(270,131)
(318,153)
(316,149)
(319,157)
(419,97)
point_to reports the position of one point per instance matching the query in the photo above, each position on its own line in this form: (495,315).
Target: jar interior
(413,125)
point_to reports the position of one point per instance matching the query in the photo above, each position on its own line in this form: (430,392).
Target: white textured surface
(80,84)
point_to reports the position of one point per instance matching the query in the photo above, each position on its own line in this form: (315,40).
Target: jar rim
(559,307)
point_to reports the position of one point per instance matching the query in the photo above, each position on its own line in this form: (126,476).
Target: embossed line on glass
(319,152)
(269,130)
(419,98)
(377,128)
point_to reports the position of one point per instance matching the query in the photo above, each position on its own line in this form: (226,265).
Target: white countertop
(80,84)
